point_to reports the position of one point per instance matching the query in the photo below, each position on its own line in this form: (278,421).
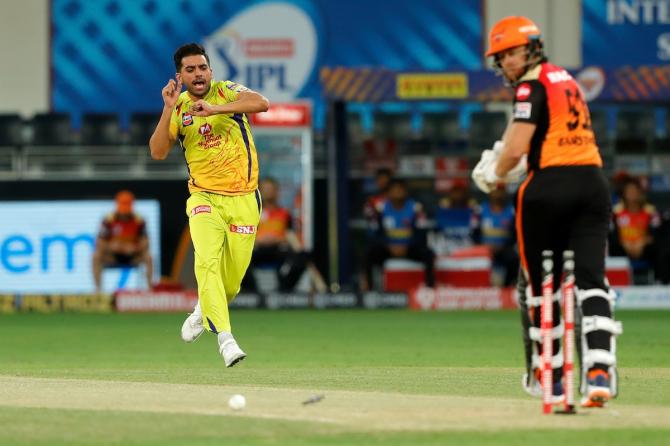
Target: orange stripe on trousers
(519,225)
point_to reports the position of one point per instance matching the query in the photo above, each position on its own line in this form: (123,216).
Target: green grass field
(389,377)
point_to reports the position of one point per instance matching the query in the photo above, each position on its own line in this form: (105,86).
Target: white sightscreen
(47,246)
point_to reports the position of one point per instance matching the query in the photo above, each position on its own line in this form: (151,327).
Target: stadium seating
(443,131)
(142,126)
(355,127)
(396,126)
(11,139)
(51,129)
(356,139)
(101,130)
(635,130)
(600,129)
(11,130)
(662,144)
(485,128)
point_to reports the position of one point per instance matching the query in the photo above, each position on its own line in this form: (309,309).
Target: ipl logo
(270,48)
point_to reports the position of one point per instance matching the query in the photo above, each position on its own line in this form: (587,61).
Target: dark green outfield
(458,353)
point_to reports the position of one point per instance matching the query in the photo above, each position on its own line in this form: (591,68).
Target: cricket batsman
(563,204)
(209,121)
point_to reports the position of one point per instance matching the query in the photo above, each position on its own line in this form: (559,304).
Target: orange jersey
(128,229)
(549,97)
(273,225)
(635,227)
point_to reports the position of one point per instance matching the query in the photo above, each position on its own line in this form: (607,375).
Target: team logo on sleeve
(186,119)
(523,92)
(236,87)
(522,110)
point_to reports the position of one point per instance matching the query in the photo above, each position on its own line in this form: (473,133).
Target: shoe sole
(236,360)
(597,398)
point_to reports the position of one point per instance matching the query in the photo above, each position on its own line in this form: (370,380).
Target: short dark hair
(271,180)
(385,171)
(398,182)
(633,181)
(189,49)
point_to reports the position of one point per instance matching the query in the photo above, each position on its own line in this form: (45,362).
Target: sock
(197,310)
(224,336)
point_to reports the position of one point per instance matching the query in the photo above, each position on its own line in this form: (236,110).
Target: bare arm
(161,142)
(516,141)
(247,102)
(296,246)
(143,244)
(293,241)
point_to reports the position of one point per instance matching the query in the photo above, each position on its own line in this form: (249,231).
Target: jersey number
(578,110)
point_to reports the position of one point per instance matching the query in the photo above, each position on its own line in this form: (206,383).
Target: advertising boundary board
(653,297)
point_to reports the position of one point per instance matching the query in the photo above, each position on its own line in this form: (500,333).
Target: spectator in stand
(276,242)
(634,224)
(400,233)
(383,177)
(619,181)
(122,241)
(496,230)
(456,219)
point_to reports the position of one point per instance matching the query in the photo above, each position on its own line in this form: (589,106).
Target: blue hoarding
(625,32)
(116,55)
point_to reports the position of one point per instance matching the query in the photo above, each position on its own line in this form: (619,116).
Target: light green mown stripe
(73,428)
(361,411)
(638,386)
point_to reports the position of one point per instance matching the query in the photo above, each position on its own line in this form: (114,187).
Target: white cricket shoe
(231,352)
(192,327)
(533,387)
(598,391)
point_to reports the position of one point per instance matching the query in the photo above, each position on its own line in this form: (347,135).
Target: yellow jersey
(219,149)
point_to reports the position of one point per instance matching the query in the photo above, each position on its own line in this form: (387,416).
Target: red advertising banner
(155,301)
(456,298)
(283,115)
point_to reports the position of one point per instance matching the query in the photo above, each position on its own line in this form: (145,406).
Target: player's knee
(98,255)
(232,291)
(208,263)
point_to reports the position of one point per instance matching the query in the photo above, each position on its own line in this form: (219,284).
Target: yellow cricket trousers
(223,230)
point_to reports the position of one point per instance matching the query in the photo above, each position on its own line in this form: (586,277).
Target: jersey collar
(531,74)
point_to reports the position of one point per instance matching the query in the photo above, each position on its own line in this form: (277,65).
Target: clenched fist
(201,108)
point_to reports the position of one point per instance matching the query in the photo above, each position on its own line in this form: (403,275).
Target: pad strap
(556,360)
(536,301)
(595,323)
(557,332)
(600,357)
